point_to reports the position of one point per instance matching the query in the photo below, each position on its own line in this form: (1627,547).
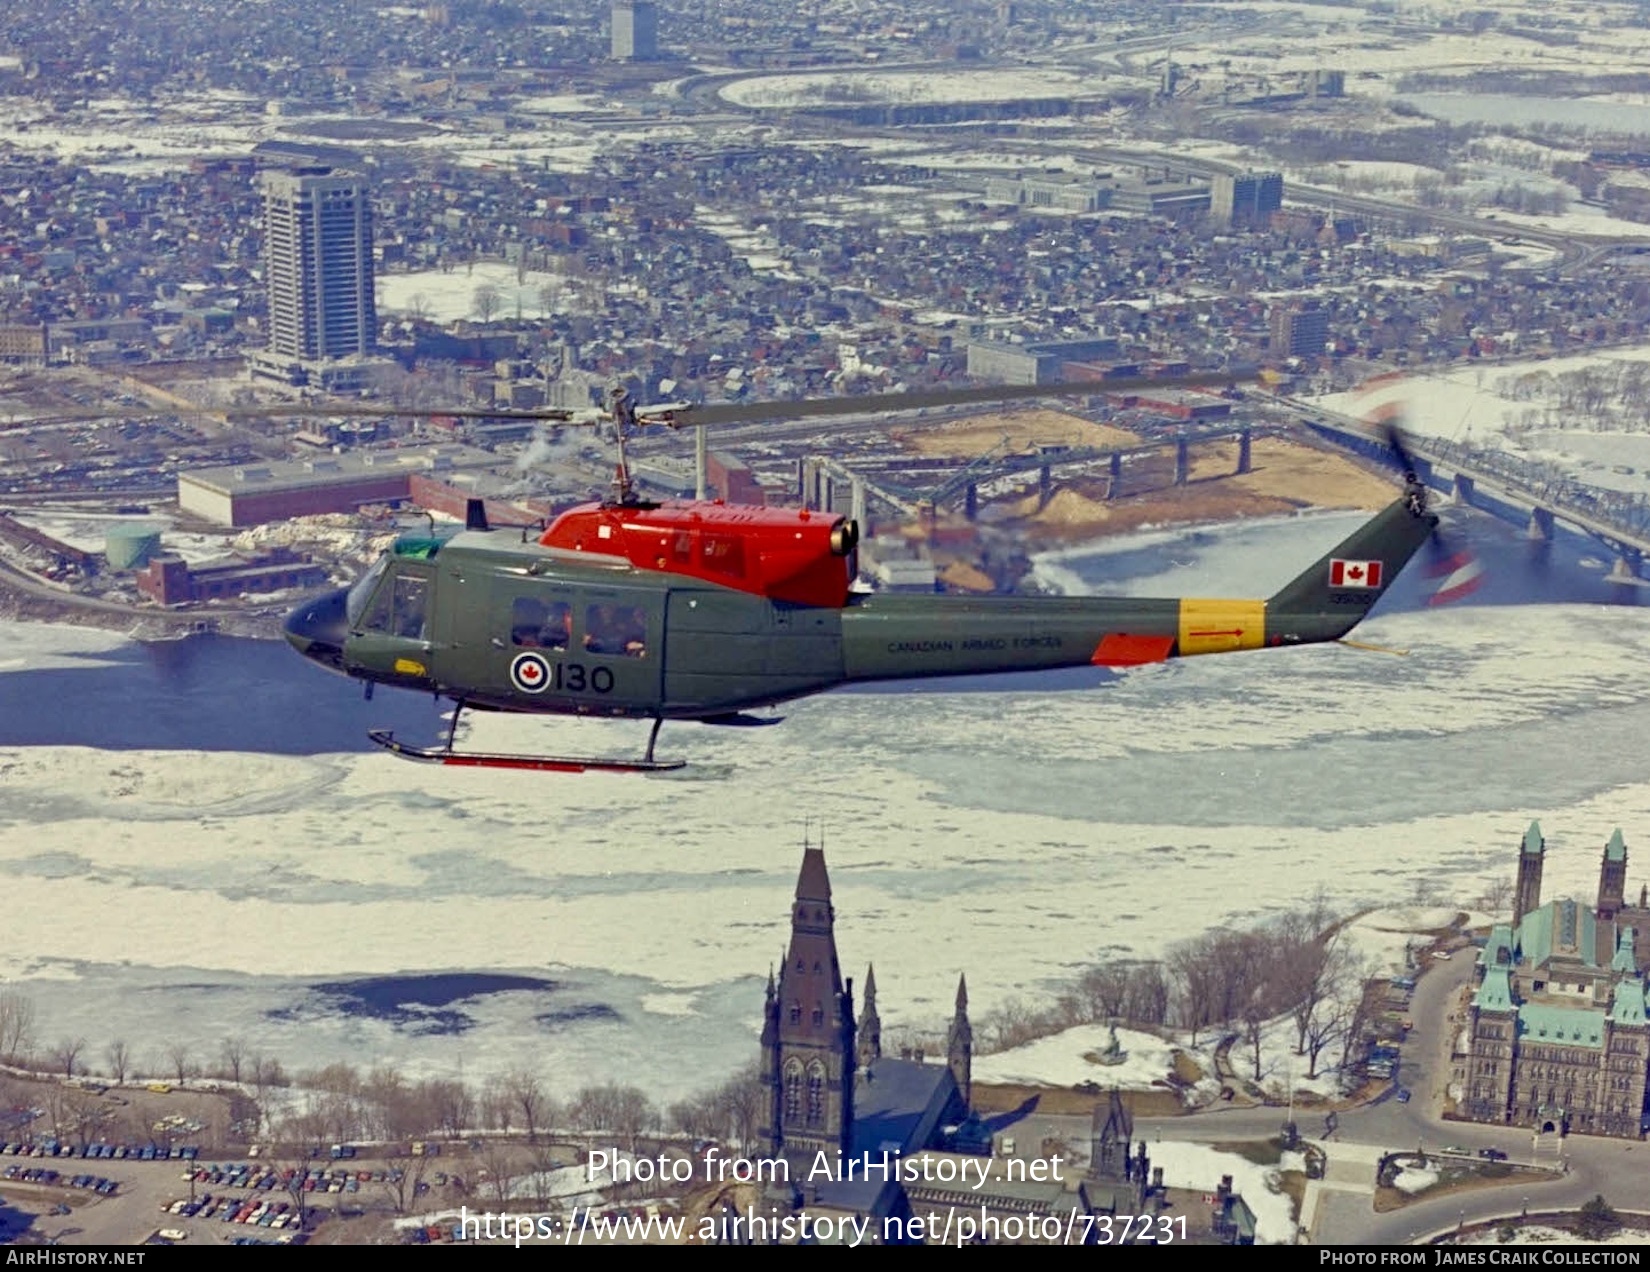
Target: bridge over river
(1536,495)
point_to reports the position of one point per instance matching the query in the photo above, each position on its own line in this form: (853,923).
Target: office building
(635,30)
(318,255)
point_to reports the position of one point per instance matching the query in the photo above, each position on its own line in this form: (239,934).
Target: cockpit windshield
(361,591)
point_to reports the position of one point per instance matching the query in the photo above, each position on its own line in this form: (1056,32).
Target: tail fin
(1331,597)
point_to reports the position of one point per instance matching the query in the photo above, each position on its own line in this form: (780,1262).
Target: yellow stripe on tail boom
(1218,627)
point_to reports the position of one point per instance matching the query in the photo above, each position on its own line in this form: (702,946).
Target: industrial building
(635,30)
(1247,198)
(168,579)
(251,494)
(1039,363)
(318,250)
(1060,193)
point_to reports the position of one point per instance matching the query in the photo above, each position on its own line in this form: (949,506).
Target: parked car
(1403,1095)
(1492,1154)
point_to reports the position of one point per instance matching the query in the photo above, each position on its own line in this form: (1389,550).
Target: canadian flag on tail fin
(1354,573)
(1458,575)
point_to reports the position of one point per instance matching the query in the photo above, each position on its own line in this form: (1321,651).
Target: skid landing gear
(541,763)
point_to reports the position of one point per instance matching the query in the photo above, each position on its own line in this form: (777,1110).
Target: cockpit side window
(536,624)
(411,593)
(399,607)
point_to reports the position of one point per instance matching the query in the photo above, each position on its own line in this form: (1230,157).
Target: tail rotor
(1452,568)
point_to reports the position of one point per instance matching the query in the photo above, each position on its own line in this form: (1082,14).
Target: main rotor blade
(873,403)
(689,415)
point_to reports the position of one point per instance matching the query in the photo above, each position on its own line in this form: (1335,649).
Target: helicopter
(702,610)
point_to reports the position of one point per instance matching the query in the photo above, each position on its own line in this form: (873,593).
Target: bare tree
(633,1113)
(233,1054)
(403,1175)
(177,1055)
(16,1024)
(1148,997)
(1496,897)
(119,1058)
(741,1105)
(528,1098)
(301,1135)
(1106,990)
(452,1106)
(498,1168)
(497,1108)
(66,1054)
(1193,965)
(486,301)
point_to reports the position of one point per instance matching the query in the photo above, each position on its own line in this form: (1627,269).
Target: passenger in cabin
(616,629)
(527,617)
(557,632)
(535,625)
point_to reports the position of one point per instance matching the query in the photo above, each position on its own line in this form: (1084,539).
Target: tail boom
(898,637)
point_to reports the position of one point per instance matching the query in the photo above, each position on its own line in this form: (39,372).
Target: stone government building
(1558,1038)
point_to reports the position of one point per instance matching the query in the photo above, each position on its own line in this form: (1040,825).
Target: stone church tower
(870,1024)
(959,1045)
(808,1055)
(1527,894)
(1612,878)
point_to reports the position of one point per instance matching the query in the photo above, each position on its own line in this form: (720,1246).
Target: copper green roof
(1616,849)
(1500,939)
(1574,1026)
(1495,994)
(1628,1008)
(1559,927)
(1534,845)
(1624,960)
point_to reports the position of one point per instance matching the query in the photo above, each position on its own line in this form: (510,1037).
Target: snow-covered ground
(848,88)
(1416,1179)
(1197,1166)
(1072,1057)
(88,532)
(1518,407)
(447,295)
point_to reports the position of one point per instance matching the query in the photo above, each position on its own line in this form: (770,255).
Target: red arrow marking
(1236,631)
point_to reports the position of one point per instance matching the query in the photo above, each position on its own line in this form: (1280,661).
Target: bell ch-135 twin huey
(703,610)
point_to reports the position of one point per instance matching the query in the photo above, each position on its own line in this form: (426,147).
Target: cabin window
(616,629)
(536,624)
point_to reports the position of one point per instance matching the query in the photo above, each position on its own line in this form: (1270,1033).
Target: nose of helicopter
(317,628)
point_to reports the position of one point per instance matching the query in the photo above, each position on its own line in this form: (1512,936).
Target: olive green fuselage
(494,622)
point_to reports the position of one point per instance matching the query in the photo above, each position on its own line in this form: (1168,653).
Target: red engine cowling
(785,554)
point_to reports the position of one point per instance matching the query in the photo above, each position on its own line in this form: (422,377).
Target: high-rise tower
(635,30)
(318,257)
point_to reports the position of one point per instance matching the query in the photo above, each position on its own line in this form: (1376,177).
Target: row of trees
(1225,982)
(71,1057)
